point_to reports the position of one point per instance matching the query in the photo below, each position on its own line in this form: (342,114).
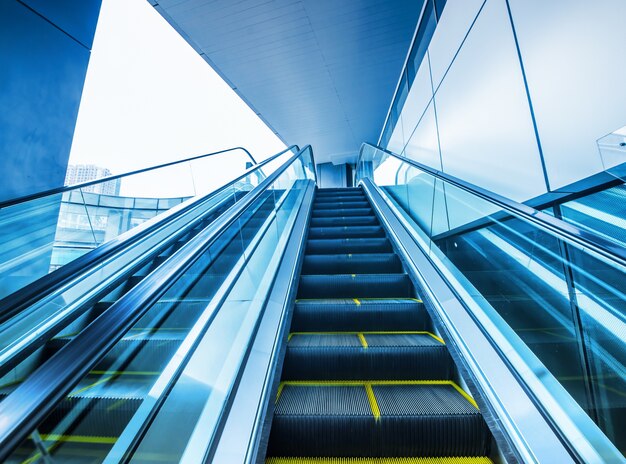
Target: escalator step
(331,246)
(336,212)
(92,416)
(376,419)
(386,460)
(358,263)
(366,356)
(349,200)
(344,221)
(346,231)
(323,205)
(142,351)
(359,315)
(355,286)
(173,314)
(340,191)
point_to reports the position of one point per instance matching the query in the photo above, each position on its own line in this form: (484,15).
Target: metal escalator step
(346,232)
(357,203)
(376,419)
(358,263)
(385,460)
(140,350)
(173,314)
(359,315)
(344,221)
(348,202)
(339,190)
(355,286)
(331,246)
(366,356)
(342,212)
(91,416)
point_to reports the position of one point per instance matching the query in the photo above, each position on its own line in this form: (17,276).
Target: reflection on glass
(41,235)
(613,152)
(567,305)
(603,213)
(186,349)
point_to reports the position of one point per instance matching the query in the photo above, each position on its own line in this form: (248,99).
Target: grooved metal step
(345,212)
(358,263)
(376,419)
(358,314)
(366,356)
(355,286)
(330,246)
(346,232)
(344,221)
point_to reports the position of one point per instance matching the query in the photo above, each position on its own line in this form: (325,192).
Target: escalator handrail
(35,398)
(585,239)
(15,302)
(67,188)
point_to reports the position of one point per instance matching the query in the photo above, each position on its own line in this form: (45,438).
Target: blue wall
(513,95)
(44,52)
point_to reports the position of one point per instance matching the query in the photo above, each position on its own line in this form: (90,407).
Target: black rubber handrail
(558,228)
(67,188)
(34,399)
(12,304)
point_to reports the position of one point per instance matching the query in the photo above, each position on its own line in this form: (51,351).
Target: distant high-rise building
(79,173)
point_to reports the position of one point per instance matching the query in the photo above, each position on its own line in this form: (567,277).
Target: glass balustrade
(565,302)
(40,235)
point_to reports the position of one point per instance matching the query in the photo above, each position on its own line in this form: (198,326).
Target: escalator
(364,375)
(304,325)
(87,423)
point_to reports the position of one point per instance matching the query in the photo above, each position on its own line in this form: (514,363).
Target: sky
(149,99)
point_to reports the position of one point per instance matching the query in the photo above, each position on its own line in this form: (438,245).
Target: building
(436,272)
(77,174)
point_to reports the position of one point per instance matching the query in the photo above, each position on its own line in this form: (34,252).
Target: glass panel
(613,153)
(42,235)
(565,303)
(603,213)
(177,349)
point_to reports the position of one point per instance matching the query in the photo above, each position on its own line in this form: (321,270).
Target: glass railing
(603,213)
(612,148)
(48,310)
(41,233)
(560,289)
(171,372)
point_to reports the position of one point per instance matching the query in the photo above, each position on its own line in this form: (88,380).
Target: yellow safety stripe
(390,332)
(362,383)
(390,460)
(79,439)
(362,299)
(97,382)
(356,300)
(117,373)
(280,390)
(362,339)
(372,399)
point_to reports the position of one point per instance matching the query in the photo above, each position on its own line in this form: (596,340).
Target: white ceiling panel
(319,72)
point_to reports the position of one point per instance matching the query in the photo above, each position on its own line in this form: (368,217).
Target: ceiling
(319,72)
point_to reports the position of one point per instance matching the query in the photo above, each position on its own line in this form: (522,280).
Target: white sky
(149,98)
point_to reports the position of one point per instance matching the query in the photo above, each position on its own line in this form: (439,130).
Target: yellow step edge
(372,400)
(79,439)
(427,460)
(363,383)
(116,373)
(417,300)
(362,339)
(389,332)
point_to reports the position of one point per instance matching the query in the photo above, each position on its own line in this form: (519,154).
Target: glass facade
(525,104)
